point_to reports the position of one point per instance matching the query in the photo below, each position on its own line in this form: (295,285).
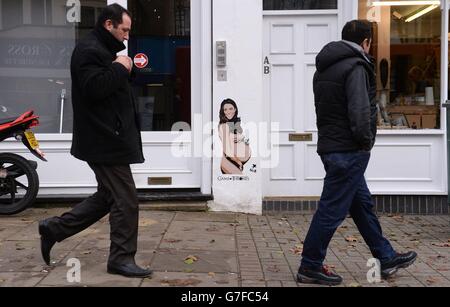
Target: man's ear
(109,25)
(366,41)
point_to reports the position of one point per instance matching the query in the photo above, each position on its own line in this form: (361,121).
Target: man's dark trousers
(345,191)
(116,195)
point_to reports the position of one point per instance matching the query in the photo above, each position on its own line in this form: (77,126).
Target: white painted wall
(239,23)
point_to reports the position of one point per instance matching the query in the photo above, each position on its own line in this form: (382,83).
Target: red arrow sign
(140,60)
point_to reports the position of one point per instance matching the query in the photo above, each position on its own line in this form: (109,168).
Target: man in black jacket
(345,89)
(106,135)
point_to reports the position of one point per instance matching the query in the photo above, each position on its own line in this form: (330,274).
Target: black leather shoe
(129,270)
(400,261)
(324,276)
(47,241)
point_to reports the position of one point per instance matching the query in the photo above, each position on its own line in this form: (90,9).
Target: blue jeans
(345,191)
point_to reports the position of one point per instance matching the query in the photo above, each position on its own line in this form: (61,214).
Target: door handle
(300,137)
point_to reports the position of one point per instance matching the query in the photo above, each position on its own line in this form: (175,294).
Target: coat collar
(108,40)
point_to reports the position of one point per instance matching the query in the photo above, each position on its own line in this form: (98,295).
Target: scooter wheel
(19,184)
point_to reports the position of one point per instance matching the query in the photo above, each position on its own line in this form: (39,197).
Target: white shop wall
(239,23)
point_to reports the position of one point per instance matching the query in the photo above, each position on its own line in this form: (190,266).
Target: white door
(168,91)
(291,44)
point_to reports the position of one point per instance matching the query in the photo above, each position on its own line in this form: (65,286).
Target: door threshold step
(154,200)
(184,206)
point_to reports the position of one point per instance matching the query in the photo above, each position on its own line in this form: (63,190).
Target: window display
(407,48)
(36,42)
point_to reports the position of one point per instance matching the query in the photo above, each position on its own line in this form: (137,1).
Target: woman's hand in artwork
(238,138)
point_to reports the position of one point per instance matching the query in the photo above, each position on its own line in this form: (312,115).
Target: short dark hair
(114,12)
(357,31)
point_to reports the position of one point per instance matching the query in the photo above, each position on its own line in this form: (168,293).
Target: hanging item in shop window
(382,103)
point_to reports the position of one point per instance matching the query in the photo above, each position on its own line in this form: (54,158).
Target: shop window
(41,12)
(36,45)
(406,48)
(12,13)
(161,31)
(276,5)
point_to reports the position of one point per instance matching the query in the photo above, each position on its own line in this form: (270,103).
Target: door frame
(445,7)
(201,94)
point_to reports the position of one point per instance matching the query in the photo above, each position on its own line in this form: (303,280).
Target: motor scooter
(19,181)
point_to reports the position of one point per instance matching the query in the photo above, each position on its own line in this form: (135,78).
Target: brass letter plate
(300,137)
(160,181)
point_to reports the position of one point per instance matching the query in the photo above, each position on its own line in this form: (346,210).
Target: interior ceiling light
(421,13)
(403,3)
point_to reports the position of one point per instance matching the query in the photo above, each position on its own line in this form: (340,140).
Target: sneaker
(324,276)
(400,261)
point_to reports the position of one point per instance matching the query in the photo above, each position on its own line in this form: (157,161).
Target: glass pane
(161,31)
(300,5)
(35,49)
(407,48)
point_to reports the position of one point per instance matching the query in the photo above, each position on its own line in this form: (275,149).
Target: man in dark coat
(345,89)
(106,135)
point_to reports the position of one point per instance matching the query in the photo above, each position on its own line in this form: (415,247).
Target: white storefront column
(239,24)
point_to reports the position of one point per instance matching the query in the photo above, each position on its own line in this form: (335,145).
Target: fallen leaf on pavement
(190,259)
(181,282)
(441,244)
(172,240)
(273,268)
(398,218)
(212,274)
(354,285)
(297,250)
(351,239)
(212,228)
(431,280)
(145,222)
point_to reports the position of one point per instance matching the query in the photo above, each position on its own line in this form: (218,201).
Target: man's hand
(126,61)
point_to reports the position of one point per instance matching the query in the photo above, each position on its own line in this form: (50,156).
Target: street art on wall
(235,144)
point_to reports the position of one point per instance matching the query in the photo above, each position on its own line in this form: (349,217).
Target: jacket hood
(336,52)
